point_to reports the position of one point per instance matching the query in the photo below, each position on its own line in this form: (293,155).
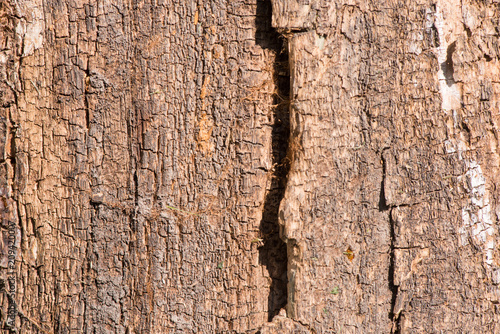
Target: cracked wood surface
(391,210)
(142,162)
(143,155)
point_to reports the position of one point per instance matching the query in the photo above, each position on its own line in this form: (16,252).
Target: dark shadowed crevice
(394,314)
(447,66)
(86,96)
(387,208)
(382,204)
(467,31)
(273,251)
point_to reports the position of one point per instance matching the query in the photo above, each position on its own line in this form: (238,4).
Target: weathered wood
(149,149)
(389,212)
(143,156)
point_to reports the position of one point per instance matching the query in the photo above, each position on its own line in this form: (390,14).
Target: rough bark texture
(392,205)
(146,147)
(144,157)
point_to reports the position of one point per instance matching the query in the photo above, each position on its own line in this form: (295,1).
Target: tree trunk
(250,166)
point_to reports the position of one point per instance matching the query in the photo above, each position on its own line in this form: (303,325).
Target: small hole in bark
(447,66)
(273,251)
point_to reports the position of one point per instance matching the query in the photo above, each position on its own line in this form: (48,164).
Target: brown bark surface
(142,165)
(152,153)
(392,204)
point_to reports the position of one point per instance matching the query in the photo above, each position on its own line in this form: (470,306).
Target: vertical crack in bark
(86,96)
(134,133)
(394,314)
(273,252)
(383,206)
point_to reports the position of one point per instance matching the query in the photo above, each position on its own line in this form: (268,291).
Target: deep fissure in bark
(273,251)
(394,288)
(86,96)
(383,206)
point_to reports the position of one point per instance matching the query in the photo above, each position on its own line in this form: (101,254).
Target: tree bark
(391,209)
(250,166)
